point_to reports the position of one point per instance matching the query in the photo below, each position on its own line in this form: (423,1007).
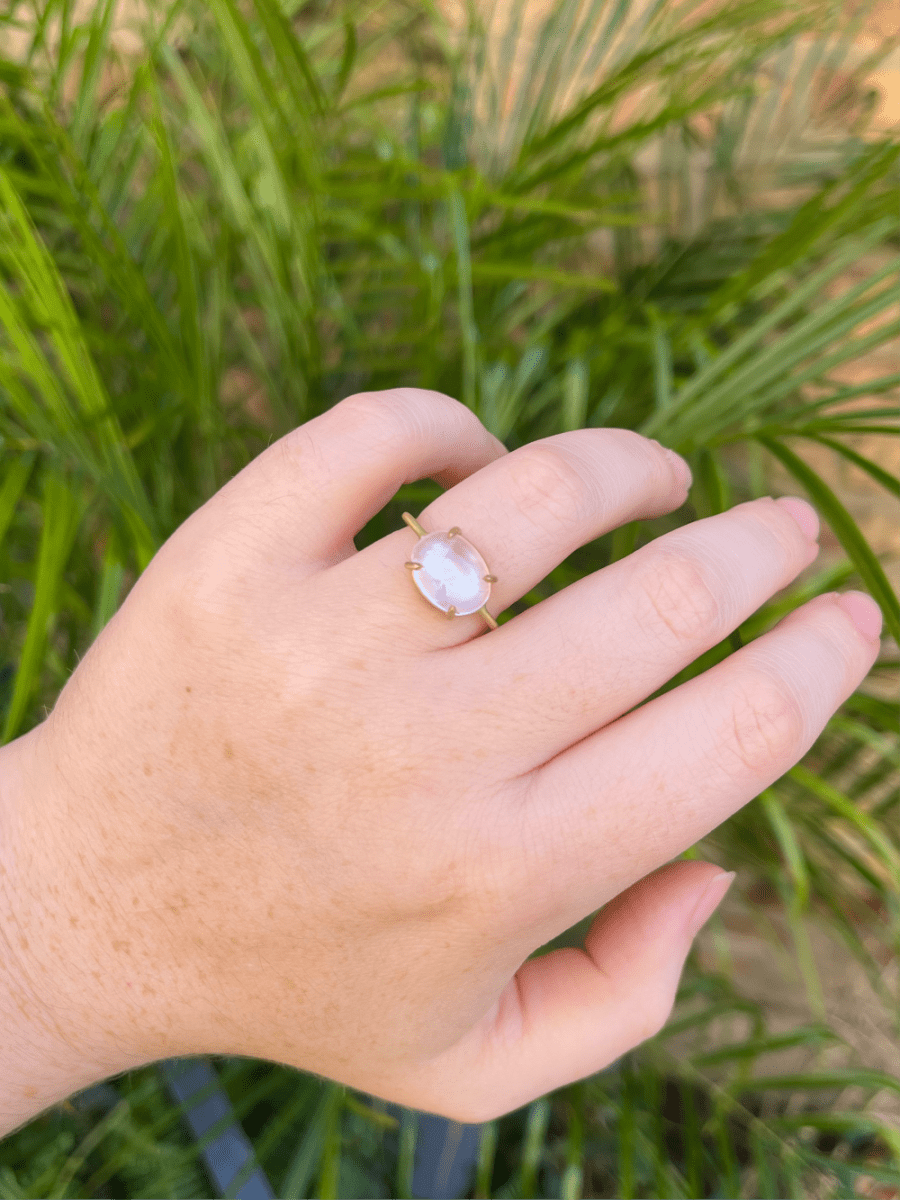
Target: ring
(450,573)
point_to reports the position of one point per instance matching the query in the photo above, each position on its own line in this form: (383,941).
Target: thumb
(569,1013)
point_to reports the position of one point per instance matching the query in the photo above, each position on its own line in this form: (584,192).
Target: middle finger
(580,659)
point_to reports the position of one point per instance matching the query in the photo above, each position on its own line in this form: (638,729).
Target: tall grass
(631,222)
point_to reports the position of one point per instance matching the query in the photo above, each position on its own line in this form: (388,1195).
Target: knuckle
(767,724)
(193,599)
(409,412)
(675,601)
(409,402)
(373,411)
(297,451)
(545,481)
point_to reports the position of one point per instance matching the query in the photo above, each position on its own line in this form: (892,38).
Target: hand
(284,808)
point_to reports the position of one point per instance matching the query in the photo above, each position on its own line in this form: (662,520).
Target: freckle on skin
(229,752)
(148,770)
(73,921)
(188,689)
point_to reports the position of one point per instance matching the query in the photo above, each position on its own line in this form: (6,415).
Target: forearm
(51,1045)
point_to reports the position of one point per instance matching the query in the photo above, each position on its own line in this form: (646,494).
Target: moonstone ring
(449,572)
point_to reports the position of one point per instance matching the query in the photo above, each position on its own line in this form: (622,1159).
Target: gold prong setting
(450,572)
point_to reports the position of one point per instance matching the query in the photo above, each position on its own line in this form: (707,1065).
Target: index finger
(305,497)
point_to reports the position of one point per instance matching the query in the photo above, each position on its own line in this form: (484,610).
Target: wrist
(61,1027)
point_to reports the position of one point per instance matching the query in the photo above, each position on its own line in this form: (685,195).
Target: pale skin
(285,808)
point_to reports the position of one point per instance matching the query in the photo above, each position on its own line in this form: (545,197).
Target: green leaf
(834,1079)
(310,1152)
(841,804)
(61,515)
(348,58)
(786,837)
(845,529)
(753,1048)
(853,1125)
(45,302)
(328,1187)
(888,481)
(456,212)
(15,478)
(487,1150)
(406,1159)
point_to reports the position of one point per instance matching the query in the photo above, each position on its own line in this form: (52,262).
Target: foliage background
(279,203)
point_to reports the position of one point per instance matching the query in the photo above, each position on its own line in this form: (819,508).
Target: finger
(655,782)
(605,643)
(570,1013)
(308,494)
(526,513)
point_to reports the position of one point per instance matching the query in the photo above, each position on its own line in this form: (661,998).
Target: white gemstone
(452,573)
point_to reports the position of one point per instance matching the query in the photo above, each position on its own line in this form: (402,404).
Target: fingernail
(680,467)
(804,514)
(864,613)
(709,902)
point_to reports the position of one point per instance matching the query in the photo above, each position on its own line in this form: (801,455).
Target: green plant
(286,202)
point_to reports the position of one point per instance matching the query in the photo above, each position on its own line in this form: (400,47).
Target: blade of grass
(837,802)
(459,226)
(832,1079)
(61,515)
(533,1147)
(845,1123)
(15,479)
(487,1150)
(109,590)
(626,1182)
(45,296)
(308,1156)
(786,837)
(84,117)
(573,1176)
(193,338)
(328,1185)
(754,1048)
(406,1160)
